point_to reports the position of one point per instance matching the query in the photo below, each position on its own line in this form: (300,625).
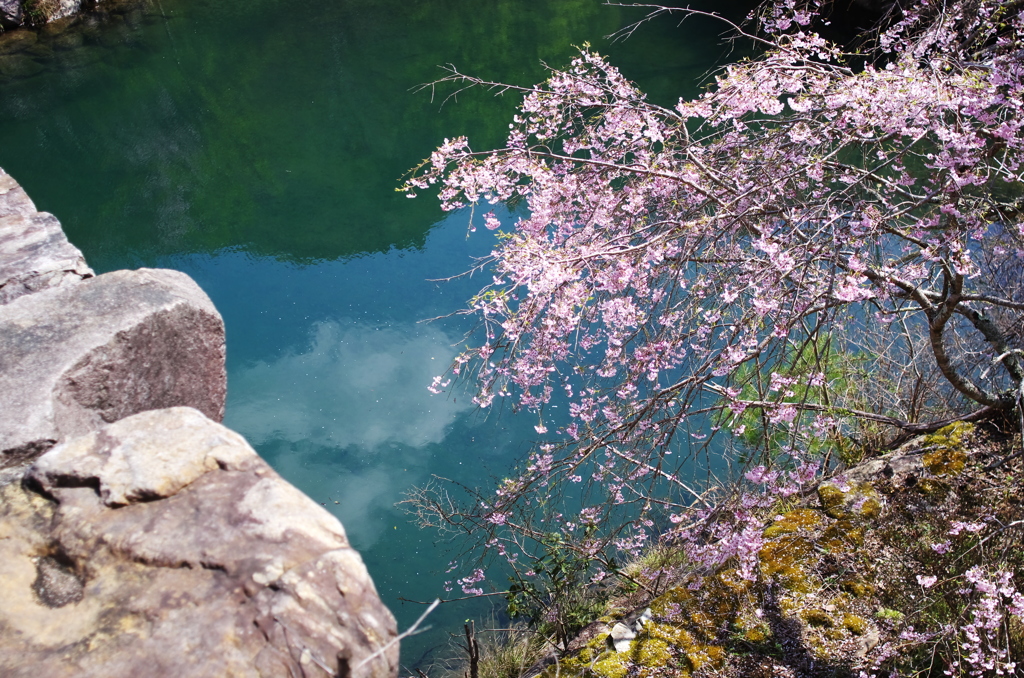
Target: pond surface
(257,147)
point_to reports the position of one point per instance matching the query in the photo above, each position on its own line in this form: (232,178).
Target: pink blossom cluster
(983,645)
(666,249)
(467,582)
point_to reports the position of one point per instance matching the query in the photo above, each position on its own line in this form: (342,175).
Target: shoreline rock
(74,357)
(34,252)
(138,536)
(109,572)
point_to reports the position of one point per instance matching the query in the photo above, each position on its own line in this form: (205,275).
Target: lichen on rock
(946,455)
(849,501)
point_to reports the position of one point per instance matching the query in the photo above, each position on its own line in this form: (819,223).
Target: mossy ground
(837,579)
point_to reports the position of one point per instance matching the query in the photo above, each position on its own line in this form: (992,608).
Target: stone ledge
(34,252)
(163,545)
(76,357)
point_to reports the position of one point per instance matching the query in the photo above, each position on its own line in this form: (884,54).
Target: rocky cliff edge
(138,536)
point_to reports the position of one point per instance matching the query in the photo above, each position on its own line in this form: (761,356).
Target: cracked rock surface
(34,252)
(75,357)
(162,545)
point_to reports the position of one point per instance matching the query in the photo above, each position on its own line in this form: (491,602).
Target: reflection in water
(350,416)
(354,385)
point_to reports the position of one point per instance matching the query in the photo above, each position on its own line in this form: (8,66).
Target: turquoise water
(257,147)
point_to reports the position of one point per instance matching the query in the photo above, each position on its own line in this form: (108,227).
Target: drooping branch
(778,263)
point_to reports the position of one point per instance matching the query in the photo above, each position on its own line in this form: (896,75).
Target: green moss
(651,652)
(832,498)
(694,620)
(817,618)
(757,634)
(787,560)
(935,491)
(871,508)
(949,456)
(610,665)
(858,626)
(818,647)
(955,435)
(945,461)
(886,613)
(751,628)
(842,536)
(670,633)
(794,521)
(729,580)
(859,501)
(856,587)
(595,658)
(835,633)
(706,655)
(1015,636)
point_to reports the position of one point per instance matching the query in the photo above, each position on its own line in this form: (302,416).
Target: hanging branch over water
(808,258)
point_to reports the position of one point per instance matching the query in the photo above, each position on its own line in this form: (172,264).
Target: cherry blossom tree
(808,262)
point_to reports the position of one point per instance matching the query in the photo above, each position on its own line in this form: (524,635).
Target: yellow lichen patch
(856,587)
(817,618)
(786,560)
(794,521)
(842,536)
(858,501)
(858,626)
(651,652)
(948,458)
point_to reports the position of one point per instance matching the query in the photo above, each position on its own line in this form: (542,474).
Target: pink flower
(497,518)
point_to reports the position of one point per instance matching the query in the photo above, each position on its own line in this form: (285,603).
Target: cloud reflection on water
(353,385)
(348,416)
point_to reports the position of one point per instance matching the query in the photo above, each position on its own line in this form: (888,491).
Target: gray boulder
(34,252)
(65,8)
(162,545)
(75,357)
(11,14)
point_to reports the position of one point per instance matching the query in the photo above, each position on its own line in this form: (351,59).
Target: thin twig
(411,631)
